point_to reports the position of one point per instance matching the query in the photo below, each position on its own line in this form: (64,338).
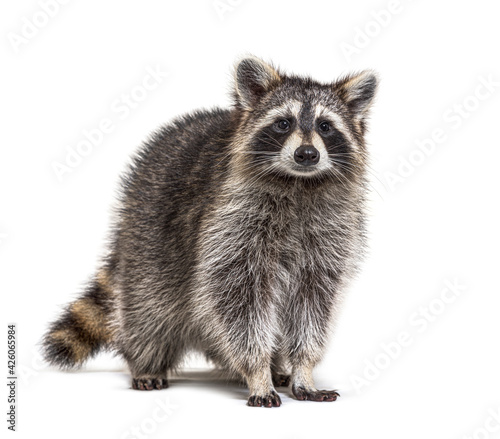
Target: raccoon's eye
(282,125)
(324,127)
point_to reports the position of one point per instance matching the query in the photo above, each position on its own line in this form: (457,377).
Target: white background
(438,223)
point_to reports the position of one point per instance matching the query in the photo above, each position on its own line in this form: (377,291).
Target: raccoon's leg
(303,385)
(238,318)
(150,356)
(152,333)
(262,392)
(279,372)
(246,344)
(148,373)
(245,356)
(306,333)
(249,355)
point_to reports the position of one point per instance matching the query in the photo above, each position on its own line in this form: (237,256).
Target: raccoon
(236,232)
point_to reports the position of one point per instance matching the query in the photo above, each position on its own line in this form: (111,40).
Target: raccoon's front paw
(303,394)
(272,399)
(280,380)
(149,383)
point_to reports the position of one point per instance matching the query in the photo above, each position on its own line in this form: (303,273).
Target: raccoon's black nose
(306,155)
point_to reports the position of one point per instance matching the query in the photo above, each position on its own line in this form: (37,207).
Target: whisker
(351,168)
(273,153)
(276,142)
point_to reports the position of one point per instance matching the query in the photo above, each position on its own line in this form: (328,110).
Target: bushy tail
(83,329)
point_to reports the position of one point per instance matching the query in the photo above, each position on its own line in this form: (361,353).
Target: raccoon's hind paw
(149,383)
(272,399)
(280,380)
(303,394)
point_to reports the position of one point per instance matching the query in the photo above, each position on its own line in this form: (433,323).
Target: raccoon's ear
(253,79)
(357,92)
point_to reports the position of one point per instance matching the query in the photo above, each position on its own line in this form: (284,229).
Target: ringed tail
(83,329)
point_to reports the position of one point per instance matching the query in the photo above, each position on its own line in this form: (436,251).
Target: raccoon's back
(172,182)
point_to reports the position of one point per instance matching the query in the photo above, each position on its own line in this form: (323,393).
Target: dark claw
(270,400)
(302,394)
(160,383)
(149,383)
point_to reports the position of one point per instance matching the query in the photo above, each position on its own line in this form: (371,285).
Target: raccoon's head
(293,127)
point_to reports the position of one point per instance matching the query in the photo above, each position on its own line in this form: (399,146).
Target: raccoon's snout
(306,155)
